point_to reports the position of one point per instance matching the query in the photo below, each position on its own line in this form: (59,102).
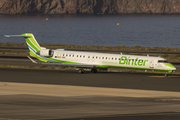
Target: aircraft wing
(70,65)
(61,64)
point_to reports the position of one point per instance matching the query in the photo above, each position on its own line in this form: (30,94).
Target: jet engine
(46,52)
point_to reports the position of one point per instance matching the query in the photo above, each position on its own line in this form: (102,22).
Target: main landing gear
(81,70)
(93,70)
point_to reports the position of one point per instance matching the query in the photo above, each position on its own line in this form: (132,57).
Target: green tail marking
(32,44)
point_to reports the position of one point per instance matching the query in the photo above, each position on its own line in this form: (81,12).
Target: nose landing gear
(166,74)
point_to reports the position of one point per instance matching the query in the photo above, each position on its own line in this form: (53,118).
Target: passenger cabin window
(73,56)
(163,61)
(88,56)
(77,55)
(102,57)
(84,56)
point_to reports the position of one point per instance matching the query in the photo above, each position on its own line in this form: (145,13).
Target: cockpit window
(163,61)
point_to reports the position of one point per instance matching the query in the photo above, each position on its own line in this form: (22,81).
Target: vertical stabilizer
(32,44)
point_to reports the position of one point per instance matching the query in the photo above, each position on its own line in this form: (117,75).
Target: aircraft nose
(173,68)
(170,66)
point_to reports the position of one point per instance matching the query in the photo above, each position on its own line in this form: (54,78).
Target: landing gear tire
(166,74)
(81,71)
(93,70)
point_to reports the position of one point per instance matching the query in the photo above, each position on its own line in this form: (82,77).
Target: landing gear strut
(166,74)
(93,70)
(81,70)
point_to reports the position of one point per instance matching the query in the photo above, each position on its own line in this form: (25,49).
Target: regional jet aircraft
(93,60)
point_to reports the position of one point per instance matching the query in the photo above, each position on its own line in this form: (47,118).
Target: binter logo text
(128,61)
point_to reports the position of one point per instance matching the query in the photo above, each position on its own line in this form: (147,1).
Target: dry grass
(12,52)
(171,57)
(112,48)
(13,44)
(94,47)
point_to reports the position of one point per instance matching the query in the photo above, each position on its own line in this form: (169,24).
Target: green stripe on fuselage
(109,66)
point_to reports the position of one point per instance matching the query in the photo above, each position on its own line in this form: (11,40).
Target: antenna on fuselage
(147,55)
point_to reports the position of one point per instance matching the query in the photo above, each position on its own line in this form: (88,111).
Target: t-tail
(32,44)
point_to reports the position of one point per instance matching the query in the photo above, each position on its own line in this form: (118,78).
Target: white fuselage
(106,60)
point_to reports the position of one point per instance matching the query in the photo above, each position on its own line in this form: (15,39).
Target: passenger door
(151,64)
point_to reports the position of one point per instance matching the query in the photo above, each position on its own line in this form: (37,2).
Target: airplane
(93,60)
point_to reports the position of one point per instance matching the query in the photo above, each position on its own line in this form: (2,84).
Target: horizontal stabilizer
(25,36)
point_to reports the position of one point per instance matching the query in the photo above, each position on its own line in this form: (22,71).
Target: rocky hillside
(88,6)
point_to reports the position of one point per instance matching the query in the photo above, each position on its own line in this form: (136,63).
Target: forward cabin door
(151,64)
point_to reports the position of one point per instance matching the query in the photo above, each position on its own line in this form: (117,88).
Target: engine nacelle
(46,52)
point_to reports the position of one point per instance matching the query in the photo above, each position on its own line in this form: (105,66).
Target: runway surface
(101,79)
(65,94)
